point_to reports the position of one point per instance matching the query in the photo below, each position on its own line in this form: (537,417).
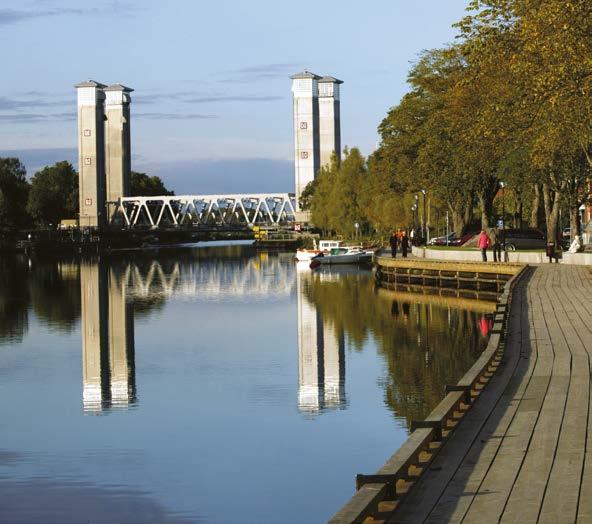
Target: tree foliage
(142,184)
(54,194)
(510,101)
(14,190)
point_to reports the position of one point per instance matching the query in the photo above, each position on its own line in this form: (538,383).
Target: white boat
(325,247)
(343,255)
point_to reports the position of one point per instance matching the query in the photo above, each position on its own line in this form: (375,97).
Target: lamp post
(414,209)
(502,185)
(425,218)
(416,224)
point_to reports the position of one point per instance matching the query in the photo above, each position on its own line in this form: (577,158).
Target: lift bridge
(233,210)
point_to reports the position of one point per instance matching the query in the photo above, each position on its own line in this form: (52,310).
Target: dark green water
(215,384)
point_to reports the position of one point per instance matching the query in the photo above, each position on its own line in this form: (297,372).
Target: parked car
(441,241)
(524,239)
(462,240)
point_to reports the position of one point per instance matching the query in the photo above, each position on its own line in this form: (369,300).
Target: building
(117,144)
(329,119)
(91,153)
(317,126)
(104,149)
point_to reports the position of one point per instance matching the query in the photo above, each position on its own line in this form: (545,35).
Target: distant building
(317,125)
(329,118)
(104,149)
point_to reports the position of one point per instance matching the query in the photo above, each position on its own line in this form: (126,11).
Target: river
(209,384)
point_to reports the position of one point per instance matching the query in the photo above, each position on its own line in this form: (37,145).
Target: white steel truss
(196,210)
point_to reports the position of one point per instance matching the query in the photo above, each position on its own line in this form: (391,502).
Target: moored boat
(343,255)
(324,247)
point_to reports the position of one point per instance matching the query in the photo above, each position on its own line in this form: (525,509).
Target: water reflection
(321,353)
(426,342)
(225,338)
(108,362)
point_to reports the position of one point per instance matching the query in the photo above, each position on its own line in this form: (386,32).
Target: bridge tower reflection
(321,354)
(108,362)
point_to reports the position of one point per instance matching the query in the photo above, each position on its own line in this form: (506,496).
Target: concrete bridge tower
(91,153)
(329,119)
(117,142)
(305,91)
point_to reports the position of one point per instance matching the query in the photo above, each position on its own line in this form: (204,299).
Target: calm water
(215,384)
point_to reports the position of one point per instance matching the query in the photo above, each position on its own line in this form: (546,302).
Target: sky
(212,106)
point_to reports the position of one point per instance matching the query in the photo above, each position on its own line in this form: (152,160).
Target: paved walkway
(523,453)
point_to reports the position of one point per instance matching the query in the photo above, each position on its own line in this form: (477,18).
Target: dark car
(523,239)
(462,240)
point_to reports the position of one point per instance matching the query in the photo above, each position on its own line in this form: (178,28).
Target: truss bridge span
(203,210)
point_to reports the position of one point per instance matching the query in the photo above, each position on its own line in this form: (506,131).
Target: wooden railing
(379,494)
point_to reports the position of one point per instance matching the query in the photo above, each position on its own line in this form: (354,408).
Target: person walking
(393,241)
(483,243)
(551,253)
(496,242)
(404,244)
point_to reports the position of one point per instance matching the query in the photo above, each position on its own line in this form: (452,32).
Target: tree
(14,190)
(142,184)
(544,50)
(307,194)
(54,194)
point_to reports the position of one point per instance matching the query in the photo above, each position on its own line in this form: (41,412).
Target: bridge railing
(198,210)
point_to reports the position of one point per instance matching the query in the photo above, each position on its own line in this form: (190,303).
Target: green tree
(54,194)
(305,200)
(14,190)
(142,184)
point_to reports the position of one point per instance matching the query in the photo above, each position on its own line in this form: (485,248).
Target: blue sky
(211,110)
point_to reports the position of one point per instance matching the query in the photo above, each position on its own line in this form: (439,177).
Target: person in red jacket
(483,243)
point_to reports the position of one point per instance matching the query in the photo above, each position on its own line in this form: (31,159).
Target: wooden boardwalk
(523,452)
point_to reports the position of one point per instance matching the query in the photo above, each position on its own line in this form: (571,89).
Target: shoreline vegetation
(496,126)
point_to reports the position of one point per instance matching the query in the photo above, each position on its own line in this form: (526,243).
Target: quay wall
(379,494)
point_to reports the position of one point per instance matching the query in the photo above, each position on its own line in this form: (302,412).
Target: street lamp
(502,185)
(414,210)
(425,218)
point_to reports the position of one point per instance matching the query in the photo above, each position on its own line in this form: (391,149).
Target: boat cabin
(328,245)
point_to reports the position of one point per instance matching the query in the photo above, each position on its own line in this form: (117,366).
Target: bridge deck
(523,452)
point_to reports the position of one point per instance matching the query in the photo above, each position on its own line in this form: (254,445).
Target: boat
(343,255)
(324,247)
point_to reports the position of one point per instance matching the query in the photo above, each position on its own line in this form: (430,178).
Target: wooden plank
(426,493)
(361,506)
(525,500)
(460,491)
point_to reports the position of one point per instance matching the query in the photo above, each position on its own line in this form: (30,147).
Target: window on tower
(304,155)
(303,125)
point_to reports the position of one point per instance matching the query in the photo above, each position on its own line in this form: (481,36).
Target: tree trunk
(575,222)
(518,214)
(536,205)
(486,205)
(459,223)
(551,200)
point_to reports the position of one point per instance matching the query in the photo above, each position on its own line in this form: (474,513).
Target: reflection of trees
(55,293)
(424,346)
(14,299)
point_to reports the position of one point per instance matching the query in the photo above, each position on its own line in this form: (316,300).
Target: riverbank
(520,451)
